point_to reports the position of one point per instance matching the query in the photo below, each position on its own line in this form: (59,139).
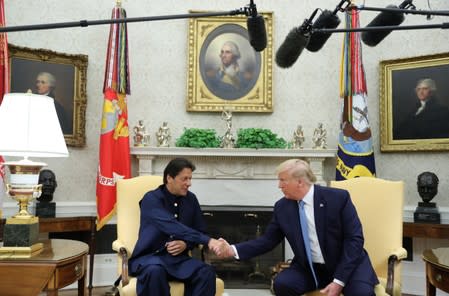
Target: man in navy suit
(171,224)
(340,264)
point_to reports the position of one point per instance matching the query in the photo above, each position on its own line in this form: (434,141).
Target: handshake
(221,248)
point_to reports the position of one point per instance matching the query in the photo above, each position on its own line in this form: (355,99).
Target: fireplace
(245,179)
(237,224)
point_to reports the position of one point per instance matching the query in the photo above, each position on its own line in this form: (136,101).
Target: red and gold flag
(114,161)
(4,88)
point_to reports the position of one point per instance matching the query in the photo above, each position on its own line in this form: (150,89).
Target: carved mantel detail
(217,163)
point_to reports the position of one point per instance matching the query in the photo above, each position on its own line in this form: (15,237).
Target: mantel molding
(219,163)
(237,152)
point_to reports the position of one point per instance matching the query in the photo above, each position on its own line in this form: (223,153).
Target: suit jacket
(338,229)
(158,225)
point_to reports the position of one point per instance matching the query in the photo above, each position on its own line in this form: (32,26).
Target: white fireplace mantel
(217,163)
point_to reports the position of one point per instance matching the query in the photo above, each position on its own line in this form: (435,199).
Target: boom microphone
(256,29)
(294,43)
(326,20)
(385,18)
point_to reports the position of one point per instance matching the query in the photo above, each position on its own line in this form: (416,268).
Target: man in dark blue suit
(338,264)
(171,224)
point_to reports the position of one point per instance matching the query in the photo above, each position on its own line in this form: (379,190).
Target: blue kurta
(165,217)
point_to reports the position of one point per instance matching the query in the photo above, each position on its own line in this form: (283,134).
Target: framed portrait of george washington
(414,104)
(224,71)
(57,75)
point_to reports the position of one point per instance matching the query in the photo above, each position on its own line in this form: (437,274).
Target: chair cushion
(176,288)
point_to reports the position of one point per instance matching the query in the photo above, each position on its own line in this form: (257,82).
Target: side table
(437,270)
(70,224)
(60,263)
(428,230)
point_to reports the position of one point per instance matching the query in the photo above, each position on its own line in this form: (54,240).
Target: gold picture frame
(206,92)
(67,73)
(403,127)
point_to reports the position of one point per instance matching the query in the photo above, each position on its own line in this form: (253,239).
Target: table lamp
(29,127)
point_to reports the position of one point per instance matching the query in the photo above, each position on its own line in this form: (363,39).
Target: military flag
(114,160)
(4,88)
(355,156)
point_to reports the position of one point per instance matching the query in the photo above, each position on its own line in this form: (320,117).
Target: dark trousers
(294,281)
(153,280)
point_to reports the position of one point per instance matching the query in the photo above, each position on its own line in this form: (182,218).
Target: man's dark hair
(175,166)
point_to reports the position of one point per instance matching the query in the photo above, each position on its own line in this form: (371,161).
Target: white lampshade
(29,127)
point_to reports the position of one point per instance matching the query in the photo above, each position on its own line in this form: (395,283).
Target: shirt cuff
(339,282)
(236,256)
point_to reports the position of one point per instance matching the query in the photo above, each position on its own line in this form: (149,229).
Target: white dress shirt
(317,256)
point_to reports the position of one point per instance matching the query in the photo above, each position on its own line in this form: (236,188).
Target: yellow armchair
(129,193)
(379,204)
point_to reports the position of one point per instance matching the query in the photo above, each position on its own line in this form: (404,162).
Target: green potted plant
(258,138)
(198,138)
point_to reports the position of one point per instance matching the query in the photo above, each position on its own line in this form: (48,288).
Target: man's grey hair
(430,83)
(51,79)
(234,49)
(298,169)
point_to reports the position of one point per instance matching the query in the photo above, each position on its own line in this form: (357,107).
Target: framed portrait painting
(58,75)
(224,71)
(414,103)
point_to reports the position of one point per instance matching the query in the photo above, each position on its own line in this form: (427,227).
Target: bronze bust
(426,211)
(48,180)
(427,186)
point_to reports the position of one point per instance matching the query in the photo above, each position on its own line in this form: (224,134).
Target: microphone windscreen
(385,18)
(292,47)
(326,20)
(256,32)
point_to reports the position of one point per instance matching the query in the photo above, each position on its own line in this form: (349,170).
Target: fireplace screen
(237,224)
